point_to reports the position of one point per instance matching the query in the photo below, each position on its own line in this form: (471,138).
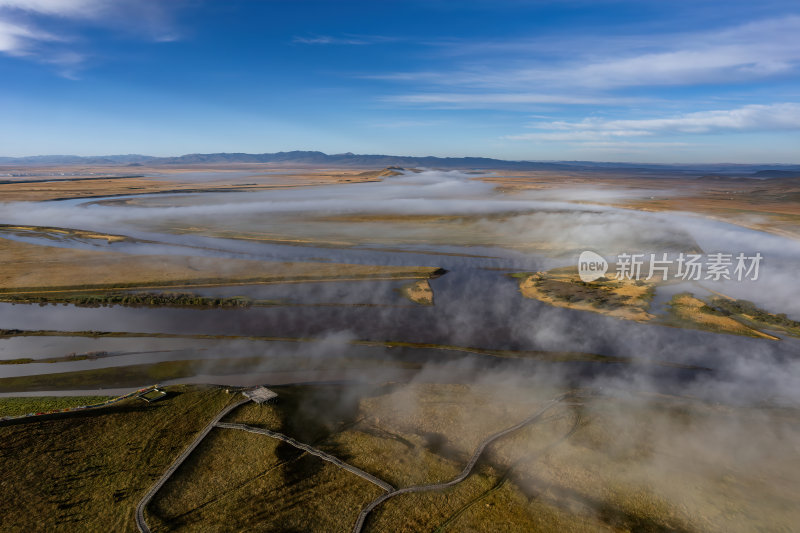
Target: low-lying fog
(541,224)
(476,305)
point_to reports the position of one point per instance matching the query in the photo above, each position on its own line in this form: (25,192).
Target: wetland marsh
(435,284)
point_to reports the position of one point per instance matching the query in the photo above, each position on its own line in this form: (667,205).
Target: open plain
(425,329)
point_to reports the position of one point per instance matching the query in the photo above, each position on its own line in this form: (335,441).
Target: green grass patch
(748,312)
(575,470)
(142,299)
(138,375)
(86,471)
(38,404)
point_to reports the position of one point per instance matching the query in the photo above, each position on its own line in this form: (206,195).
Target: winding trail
(507,474)
(313,451)
(362,517)
(140,522)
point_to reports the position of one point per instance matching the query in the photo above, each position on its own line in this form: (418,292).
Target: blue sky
(605,80)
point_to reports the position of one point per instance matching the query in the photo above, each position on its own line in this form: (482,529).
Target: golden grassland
(162,180)
(30,268)
(365,230)
(689,311)
(771,205)
(352,230)
(612,296)
(338,230)
(768,205)
(78,188)
(62,232)
(397,232)
(419,292)
(639,463)
(629,299)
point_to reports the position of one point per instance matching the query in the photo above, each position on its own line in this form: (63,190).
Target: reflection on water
(664,294)
(43,347)
(383,293)
(474,308)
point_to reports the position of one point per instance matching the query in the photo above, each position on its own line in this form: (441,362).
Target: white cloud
(64,8)
(326,39)
(397,124)
(748,52)
(557,65)
(470,99)
(775,117)
(13,37)
(575,135)
(23,23)
(351,39)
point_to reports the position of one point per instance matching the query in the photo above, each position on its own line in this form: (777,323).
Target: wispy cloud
(751,118)
(750,52)
(399,124)
(34,29)
(327,39)
(481,74)
(348,39)
(62,8)
(499,98)
(15,38)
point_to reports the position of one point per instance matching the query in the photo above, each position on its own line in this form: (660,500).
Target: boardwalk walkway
(140,523)
(362,517)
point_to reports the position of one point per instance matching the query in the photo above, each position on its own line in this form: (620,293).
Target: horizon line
(4,158)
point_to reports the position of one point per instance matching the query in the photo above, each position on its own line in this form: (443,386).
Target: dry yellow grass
(635,463)
(620,298)
(628,299)
(77,186)
(30,266)
(419,292)
(687,307)
(771,205)
(77,233)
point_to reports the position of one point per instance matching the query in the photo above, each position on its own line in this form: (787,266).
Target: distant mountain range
(313,158)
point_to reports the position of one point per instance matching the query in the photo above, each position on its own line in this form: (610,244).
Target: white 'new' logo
(591,266)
